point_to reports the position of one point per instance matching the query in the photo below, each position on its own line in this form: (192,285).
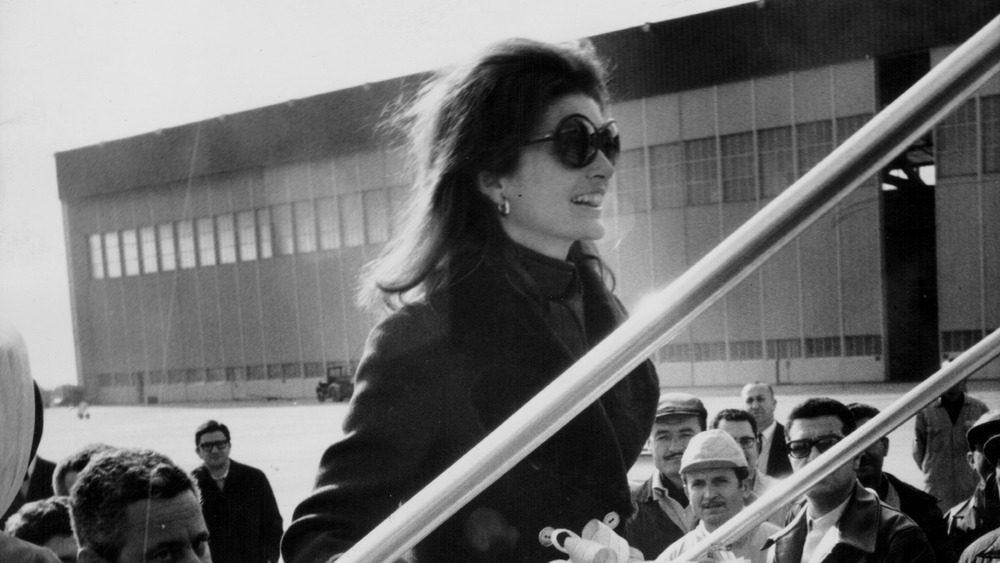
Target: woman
(495,290)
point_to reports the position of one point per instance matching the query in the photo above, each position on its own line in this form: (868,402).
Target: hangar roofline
(735,43)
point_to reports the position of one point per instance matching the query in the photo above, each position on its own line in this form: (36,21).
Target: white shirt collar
(828,519)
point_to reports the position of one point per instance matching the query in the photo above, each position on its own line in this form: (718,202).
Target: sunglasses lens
(799,450)
(609,142)
(573,142)
(826,443)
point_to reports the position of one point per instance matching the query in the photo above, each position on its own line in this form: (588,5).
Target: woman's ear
(491,186)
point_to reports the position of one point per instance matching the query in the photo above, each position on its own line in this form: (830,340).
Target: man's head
(679,416)
(46,523)
(742,426)
(815,426)
(758,400)
(714,471)
(955,392)
(136,505)
(212,444)
(870,464)
(69,468)
(986,427)
(992,452)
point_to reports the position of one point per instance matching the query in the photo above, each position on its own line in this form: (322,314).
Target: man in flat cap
(980,513)
(663,513)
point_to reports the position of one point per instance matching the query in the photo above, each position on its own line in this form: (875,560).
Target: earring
(503,207)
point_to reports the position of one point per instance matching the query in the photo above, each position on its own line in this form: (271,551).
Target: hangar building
(218,260)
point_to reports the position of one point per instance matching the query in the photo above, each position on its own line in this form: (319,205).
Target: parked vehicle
(338,385)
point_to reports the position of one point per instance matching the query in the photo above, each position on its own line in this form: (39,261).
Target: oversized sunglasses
(800,449)
(577,140)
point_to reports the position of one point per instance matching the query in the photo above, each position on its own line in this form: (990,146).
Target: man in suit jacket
(758,400)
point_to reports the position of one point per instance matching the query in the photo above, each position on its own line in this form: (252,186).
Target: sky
(74,74)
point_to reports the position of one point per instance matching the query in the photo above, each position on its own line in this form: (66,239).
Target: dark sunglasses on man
(800,449)
(577,140)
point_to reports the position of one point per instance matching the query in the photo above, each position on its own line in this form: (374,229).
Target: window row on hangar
(747,166)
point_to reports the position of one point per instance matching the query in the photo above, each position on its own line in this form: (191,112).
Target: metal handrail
(664,315)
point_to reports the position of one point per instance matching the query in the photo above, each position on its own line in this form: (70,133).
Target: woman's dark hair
(471,120)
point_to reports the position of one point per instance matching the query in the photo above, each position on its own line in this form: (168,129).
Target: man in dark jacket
(758,400)
(37,486)
(841,521)
(236,500)
(921,507)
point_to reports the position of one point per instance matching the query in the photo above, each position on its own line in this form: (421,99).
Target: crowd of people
(107,504)
(491,289)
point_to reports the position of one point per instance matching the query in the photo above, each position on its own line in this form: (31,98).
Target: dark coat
(870,532)
(923,509)
(778,464)
(39,487)
(436,377)
(650,530)
(243,520)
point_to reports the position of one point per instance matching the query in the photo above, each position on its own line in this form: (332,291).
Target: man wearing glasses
(840,519)
(742,426)
(921,507)
(237,501)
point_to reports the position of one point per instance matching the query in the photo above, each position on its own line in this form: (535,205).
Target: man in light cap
(980,513)
(663,513)
(987,547)
(714,470)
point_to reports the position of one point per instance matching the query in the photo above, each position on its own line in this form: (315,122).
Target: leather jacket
(870,531)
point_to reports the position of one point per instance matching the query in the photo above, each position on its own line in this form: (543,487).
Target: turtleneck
(558,284)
